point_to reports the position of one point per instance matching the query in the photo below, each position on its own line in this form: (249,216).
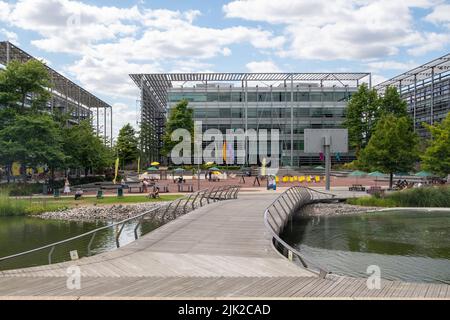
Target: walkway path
(221,250)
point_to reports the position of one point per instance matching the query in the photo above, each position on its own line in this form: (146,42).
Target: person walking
(67,187)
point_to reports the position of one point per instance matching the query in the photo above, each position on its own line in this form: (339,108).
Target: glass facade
(269,108)
(428,102)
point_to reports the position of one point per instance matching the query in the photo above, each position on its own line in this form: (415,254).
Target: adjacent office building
(289,102)
(426,90)
(67,97)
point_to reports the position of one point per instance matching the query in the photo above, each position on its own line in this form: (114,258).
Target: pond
(408,245)
(19,234)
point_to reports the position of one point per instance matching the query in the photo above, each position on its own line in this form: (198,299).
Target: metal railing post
(50,255)
(185,205)
(195,199)
(90,243)
(118,235)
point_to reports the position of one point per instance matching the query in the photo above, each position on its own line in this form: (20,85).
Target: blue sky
(98,43)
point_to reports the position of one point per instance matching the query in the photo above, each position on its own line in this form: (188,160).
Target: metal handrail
(204,194)
(298,197)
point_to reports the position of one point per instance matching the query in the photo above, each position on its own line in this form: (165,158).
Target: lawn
(32,206)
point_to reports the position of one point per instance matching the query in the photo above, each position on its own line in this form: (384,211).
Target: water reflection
(407,245)
(19,234)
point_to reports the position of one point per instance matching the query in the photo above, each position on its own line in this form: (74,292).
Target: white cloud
(355,29)
(112,42)
(440,14)
(9,35)
(122,115)
(377,79)
(5,10)
(262,66)
(390,65)
(429,42)
(108,77)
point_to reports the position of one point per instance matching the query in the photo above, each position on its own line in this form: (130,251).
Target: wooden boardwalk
(218,251)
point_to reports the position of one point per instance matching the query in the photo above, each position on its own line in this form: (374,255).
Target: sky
(97,44)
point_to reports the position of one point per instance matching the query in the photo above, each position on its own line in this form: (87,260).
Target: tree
(127,144)
(393,103)
(361,116)
(437,156)
(85,149)
(393,146)
(181,117)
(21,80)
(32,140)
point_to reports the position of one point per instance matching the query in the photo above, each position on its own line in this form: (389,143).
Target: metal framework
(427,91)
(155,88)
(65,93)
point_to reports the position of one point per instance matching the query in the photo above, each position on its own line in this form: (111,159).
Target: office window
(340,96)
(328,96)
(316,96)
(302,96)
(225,113)
(213,96)
(225,96)
(237,97)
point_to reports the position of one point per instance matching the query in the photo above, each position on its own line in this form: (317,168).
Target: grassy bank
(420,197)
(20,207)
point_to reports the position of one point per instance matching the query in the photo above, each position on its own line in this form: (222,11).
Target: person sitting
(78,194)
(155,193)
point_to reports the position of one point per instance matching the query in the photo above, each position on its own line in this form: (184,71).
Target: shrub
(11,207)
(21,189)
(419,197)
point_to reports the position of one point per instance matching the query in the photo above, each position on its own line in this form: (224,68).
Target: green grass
(21,207)
(108,200)
(420,197)
(34,206)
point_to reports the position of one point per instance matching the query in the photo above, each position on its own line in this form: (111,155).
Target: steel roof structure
(160,83)
(428,70)
(62,85)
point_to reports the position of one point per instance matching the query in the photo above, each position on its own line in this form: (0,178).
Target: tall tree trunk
(391,180)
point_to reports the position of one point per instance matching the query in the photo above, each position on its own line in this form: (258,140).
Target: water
(19,234)
(406,245)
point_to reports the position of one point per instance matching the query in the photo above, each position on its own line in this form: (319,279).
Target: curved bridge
(220,250)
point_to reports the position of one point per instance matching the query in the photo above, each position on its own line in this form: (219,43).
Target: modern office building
(290,102)
(426,90)
(67,96)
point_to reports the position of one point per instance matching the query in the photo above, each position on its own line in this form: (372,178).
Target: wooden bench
(163,189)
(136,186)
(374,190)
(357,187)
(184,187)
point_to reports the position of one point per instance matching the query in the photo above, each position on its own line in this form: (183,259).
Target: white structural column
(111,126)
(327,145)
(415,101)
(432,96)
(292,120)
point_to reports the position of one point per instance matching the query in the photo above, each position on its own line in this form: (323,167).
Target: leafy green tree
(84,149)
(437,156)
(393,146)
(361,116)
(127,144)
(21,80)
(32,140)
(181,117)
(393,103)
